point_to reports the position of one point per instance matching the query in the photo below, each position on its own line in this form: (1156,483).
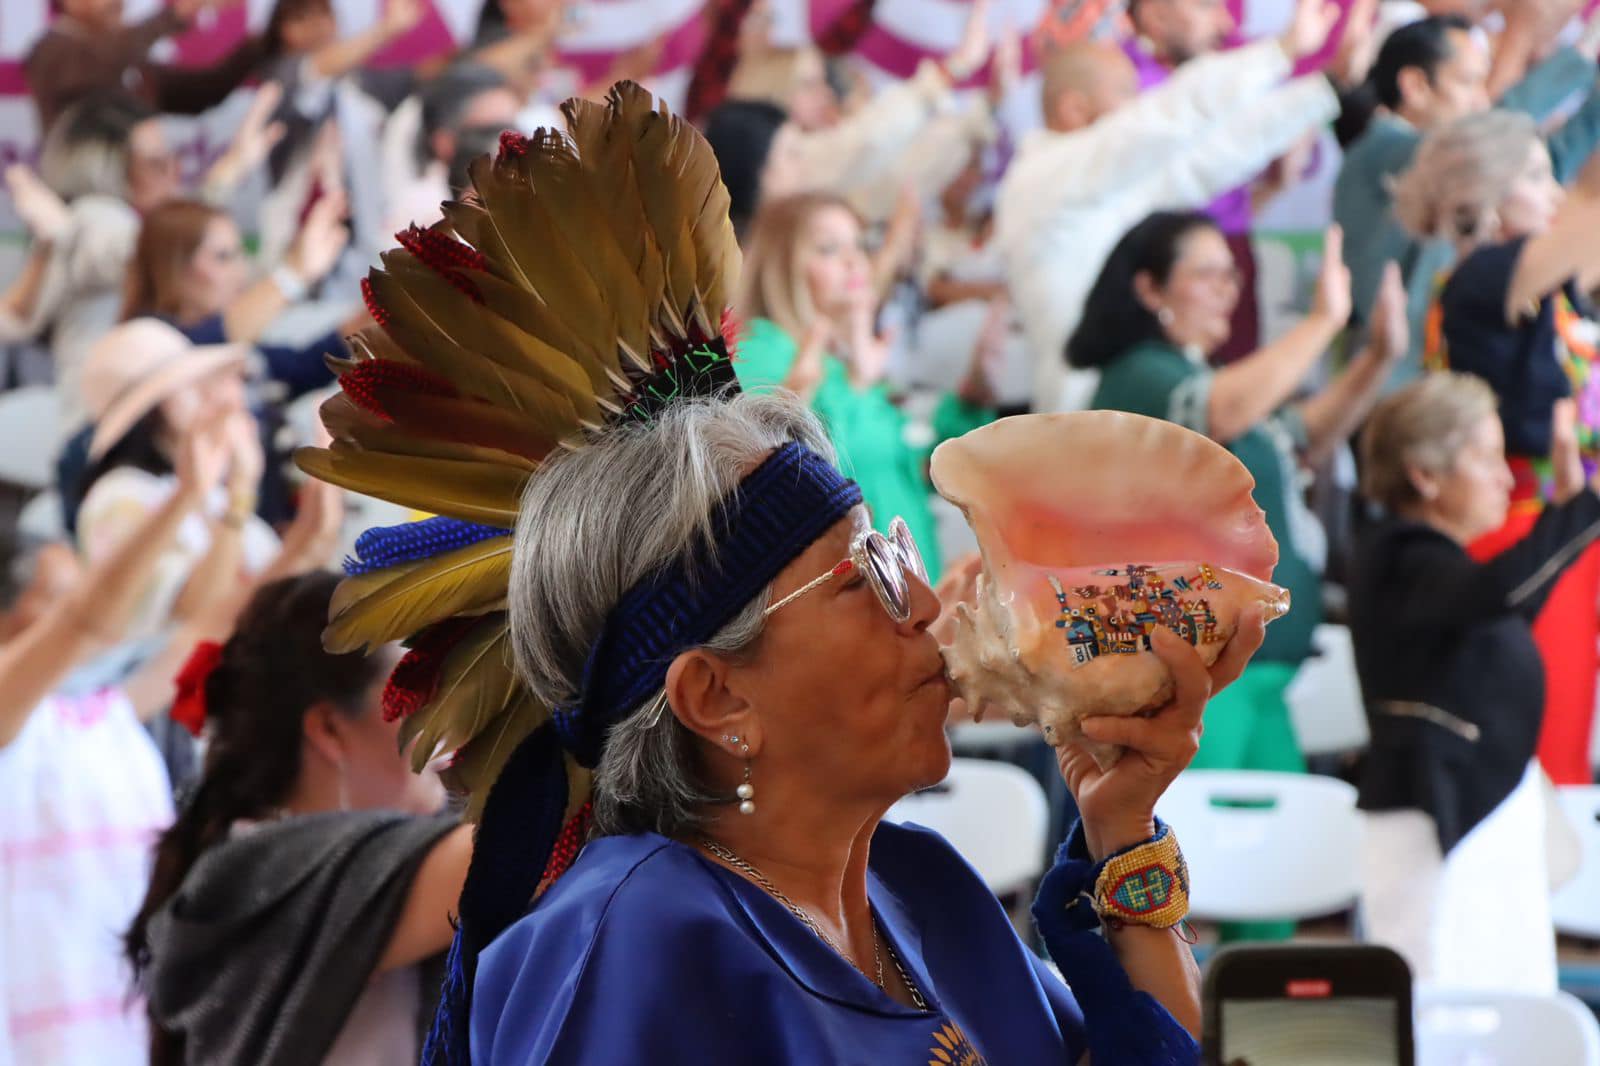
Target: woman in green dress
(810,311)
(1160,307)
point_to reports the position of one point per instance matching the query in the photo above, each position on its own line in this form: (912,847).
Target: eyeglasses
(884,561)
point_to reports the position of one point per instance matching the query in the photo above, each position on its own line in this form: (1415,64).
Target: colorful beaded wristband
(1147,884)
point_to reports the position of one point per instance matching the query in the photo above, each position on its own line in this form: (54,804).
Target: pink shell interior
(1099,522)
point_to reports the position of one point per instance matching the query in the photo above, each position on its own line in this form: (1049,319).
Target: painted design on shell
(1095,527)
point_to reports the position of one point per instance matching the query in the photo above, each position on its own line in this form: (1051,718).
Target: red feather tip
(444,256)
(371,379)
(513,145)
(415,677)
(732,330)
(379,314)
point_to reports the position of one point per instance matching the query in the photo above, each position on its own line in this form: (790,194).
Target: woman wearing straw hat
(145,385)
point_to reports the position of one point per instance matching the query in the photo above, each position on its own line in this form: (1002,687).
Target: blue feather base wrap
(409,542)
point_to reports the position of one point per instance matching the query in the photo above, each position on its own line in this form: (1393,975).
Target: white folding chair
(1325,696)
(993,813)
(1265,846)
(28,418)
(1576,907)
(1468,1028)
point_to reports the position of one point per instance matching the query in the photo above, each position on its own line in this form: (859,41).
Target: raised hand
(1006,69)
(973,48)
(400,16)
(1391,325)
(256,136)
(1332,300)
(1309,28)
(40,209)
(321,240)
(1566,460)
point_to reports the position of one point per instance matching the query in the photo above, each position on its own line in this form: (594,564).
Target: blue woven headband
(777,512)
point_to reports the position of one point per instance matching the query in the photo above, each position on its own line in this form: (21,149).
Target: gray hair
(591,525)
(1424,426)
(1461,174)
(85,151)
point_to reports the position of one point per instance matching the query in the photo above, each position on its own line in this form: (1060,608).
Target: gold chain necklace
(749,870)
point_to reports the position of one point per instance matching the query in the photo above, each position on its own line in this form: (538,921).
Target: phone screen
(1308,1005)
(1347,1031)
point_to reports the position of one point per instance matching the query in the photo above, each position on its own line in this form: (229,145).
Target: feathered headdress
(583,284)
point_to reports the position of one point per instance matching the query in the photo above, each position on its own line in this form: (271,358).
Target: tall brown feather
(467,581)
(472,491)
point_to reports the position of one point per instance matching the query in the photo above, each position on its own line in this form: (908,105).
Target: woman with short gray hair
(1454,688)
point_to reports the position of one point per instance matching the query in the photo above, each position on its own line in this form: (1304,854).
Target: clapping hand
(202,458)
(869,349)
(1118,804)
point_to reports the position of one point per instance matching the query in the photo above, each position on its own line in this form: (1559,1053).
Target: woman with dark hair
(304,888)
(1159,309)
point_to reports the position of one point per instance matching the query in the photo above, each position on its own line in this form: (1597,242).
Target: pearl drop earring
(746,791)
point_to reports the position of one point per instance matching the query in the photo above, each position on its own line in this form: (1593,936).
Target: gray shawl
(263,952)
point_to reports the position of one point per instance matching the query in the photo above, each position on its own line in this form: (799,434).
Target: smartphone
(1307,1005)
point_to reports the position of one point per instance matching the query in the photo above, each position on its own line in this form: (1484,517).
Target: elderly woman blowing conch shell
(1096,528)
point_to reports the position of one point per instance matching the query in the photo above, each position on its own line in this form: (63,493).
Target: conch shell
(1094,528)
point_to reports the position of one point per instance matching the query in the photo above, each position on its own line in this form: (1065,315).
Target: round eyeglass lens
(906,547)
(887,576)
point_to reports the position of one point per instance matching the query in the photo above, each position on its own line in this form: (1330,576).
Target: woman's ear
(1424,482)
(699,694)
(1415,87)
(1148,292)
(323,732)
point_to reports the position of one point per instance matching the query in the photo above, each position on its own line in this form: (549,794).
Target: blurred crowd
(1044,218)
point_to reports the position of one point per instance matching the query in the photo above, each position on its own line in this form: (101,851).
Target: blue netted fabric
(778,510)
(1124,1025)
(384,546)
(516,834)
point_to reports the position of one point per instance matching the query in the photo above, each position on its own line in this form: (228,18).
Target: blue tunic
(646,951)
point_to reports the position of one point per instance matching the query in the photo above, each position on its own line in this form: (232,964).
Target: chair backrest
(1264,846)
(28,421)
(1467,1028)
(1325,697)
(1576,907)
(993,813)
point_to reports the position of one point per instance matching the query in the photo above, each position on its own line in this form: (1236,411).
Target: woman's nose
(924,604)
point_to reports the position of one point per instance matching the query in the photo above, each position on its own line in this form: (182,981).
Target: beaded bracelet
(1147,884)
